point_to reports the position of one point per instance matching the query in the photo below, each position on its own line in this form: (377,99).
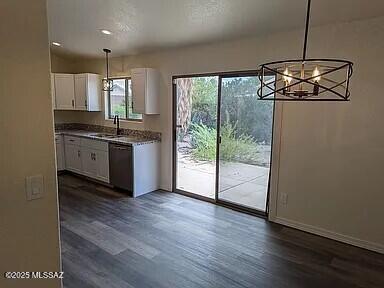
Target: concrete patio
(239,183)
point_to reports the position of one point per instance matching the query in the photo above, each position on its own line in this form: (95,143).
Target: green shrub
(240,148)
(235,148)
(203,142)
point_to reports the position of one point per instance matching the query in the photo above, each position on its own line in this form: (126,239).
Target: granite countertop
(121,139)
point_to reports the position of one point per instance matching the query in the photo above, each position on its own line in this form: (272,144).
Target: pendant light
(305,79)
(107,82)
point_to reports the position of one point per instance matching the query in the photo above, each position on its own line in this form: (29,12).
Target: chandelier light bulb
(316,74)
(286,76)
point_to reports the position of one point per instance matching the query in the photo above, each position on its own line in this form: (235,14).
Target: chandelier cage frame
(305,79)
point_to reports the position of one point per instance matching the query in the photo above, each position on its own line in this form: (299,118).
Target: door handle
(179,126)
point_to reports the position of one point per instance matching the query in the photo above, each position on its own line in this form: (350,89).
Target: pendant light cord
(306,30)
(106,54)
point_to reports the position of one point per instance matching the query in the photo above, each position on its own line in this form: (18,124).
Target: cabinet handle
(73,103)
(78,153)
(85,102)
(94,156)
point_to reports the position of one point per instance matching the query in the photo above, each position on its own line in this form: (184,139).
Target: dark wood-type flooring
(167,240)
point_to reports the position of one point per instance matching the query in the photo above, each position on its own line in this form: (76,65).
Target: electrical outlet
(34,187)
(284,199)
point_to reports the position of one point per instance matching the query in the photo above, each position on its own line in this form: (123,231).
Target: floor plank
(168,240)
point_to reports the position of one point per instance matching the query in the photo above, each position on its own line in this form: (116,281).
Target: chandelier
(107,82)
(305,79)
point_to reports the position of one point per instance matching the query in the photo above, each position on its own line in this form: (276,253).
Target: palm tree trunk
(184,103)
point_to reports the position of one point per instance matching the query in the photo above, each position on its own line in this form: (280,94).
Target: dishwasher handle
(122,148)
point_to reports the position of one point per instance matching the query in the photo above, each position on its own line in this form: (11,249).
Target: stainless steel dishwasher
(121,166)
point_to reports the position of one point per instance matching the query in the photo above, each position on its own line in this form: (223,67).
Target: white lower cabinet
(73,158)
(95,163)
(102,167)
(60,162)
(89,165)
(87,157)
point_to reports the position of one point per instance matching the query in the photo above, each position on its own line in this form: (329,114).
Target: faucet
(116,121)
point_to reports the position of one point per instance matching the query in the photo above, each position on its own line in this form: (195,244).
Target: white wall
(29,233)
(331,153)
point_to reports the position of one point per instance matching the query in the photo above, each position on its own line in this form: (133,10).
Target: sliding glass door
(222,139)
(244,149)
(195,135)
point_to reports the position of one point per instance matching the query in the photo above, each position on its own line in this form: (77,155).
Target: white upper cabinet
(88,92)
(145,91)
(64,91)
(81,92)
(77,92)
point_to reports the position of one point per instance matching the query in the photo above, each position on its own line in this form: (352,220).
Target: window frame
(127,103)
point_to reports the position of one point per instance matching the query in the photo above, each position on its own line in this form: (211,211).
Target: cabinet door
(138,78)
(73,158)
(88,161)
(102,162)
(59,157)
(53,96)
(65,92)
(94,92)
(81,92)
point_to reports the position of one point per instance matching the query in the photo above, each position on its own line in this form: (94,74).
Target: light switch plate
(284,199)
(34,187)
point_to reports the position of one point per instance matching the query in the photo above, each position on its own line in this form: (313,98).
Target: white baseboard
(329,234)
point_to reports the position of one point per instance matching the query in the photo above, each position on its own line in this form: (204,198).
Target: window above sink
(120,100)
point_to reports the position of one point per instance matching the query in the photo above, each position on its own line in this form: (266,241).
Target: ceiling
(146,25)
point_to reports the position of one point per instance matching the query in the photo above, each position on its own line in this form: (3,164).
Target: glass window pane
(245,147)
(196,135)
(118,105)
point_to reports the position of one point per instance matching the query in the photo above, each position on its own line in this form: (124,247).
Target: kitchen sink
(120,136)
(109,136)
(104,135)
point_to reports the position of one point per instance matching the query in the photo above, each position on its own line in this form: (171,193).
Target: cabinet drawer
(71,140)
(94,144)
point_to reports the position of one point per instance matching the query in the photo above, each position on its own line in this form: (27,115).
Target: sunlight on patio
(239,183)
